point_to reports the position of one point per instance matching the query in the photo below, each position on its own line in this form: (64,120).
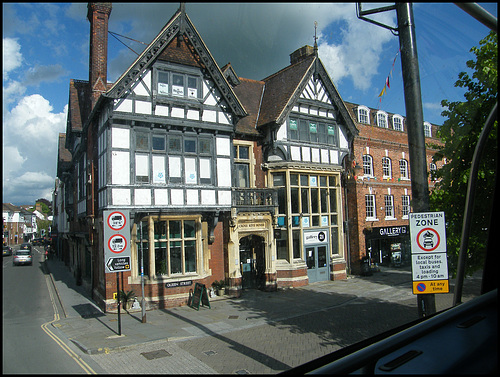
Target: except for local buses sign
(428,252)
(117,253)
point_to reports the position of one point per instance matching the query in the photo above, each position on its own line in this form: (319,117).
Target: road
(273,337)
(30,344)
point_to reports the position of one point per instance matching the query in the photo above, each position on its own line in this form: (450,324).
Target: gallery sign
(315,237)
(117,254)
(428,252)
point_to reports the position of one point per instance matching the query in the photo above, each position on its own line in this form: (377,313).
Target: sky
(47,44)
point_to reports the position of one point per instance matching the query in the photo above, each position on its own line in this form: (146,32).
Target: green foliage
(126,297)
(460,133)
(218,284)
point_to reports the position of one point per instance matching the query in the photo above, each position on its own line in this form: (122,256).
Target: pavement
(96,333)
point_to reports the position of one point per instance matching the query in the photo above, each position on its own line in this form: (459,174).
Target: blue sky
(45,45)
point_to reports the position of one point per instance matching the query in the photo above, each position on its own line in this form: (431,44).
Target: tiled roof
(79,104)
(279,89)
(249,92)
(11,207)
(64,155)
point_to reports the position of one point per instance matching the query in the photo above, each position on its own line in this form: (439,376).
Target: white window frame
(389,207)
(405,206)
(400,118)
(427,129)
(361,117)
(370,207)
(382,119)
(386,167)
(367,165)
(403,169)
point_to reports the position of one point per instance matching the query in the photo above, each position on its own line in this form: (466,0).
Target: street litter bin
(365,266)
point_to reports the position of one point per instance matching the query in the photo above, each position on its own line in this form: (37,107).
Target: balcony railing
(254,199)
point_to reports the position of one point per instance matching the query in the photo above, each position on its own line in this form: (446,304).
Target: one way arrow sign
(118,264)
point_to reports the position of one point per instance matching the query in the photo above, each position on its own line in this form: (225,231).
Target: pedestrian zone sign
(428,253)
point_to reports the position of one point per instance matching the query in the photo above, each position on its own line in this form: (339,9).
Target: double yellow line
(64,346)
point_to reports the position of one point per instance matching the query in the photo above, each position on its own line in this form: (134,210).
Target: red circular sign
(430,239)
(116,220)
(117,243)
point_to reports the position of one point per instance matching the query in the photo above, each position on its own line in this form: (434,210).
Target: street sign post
(428,253)
(117,254)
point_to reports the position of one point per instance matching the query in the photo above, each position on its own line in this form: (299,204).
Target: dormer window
(427,129)
(397,122)
(382,119)
(363,115)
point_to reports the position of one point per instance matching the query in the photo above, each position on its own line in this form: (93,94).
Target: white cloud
(359,52)
(12,57)
(33,118)
(35,75)
(12,160)
(12,91)
(30,133)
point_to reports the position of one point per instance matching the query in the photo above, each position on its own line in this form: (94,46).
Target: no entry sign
(117,255)
(428,252)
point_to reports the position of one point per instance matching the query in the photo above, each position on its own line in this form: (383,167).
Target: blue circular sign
(421,287)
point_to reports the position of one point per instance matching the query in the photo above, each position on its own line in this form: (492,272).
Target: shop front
(388,246)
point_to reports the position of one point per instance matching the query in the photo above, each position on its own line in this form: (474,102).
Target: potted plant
(219,287)
(127,299)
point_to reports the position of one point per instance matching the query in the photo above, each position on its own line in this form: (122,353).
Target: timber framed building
(225,178)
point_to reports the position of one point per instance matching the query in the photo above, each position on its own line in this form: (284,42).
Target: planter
(221,291)
(127,305)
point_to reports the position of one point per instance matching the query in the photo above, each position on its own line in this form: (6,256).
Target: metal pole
(119,314)
(143,301)
(415,126)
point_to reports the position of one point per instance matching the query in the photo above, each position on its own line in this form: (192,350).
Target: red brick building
(378,187)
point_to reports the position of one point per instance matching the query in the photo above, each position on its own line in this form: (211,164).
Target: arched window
(363,115)
(382,119)
(386,167)
(427,129)
(368,165)
(397,122)
(403,169)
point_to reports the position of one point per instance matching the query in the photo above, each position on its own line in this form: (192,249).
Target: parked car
(37,241)
(7,250)
(23,255)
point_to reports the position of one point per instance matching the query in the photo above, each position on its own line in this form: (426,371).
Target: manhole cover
(155,354)
(233,317)
(209,353)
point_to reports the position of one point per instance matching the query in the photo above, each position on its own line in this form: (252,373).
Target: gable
(178,43)
(315,90)
(306,80)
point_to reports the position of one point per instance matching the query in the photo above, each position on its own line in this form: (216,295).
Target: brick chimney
(98,15)
(301,54)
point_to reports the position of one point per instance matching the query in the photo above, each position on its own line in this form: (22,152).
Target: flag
(387,82)
(382,92)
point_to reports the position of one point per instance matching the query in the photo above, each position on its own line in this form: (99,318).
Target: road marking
(61,344)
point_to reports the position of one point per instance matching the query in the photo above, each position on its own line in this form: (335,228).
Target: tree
(459,134)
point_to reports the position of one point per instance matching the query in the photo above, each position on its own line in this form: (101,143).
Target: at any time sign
(428,252)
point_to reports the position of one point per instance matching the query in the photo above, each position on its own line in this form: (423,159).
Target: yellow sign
(115,295)
(430,286)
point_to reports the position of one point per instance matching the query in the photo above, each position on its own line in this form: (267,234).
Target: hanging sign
(117,254)
(428,252)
